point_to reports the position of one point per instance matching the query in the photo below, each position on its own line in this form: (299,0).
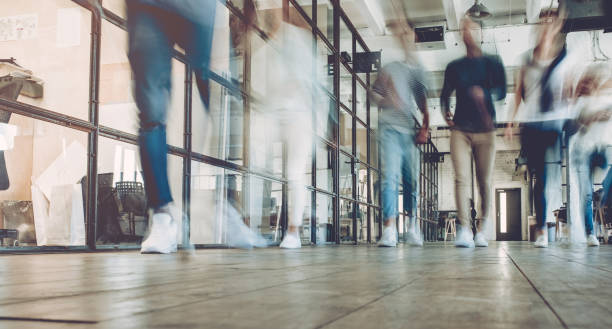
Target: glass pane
(326,118)
(306,5)
(346,44)
(228,46)
(503,225)
(373,117)
(325,70)
(362,183)
(118,109)
(265,200)
(374,150)
(362,223)
(346,222)
(375,187)
(361,105)
(266,147)
(297,19)
(346,131)
(306,228)
(374,224)
(325,19)
(218,132)
(43,170)
(50,44)
(325,218)
(346,176)
(122,202)
(117,7)
(326,157)
(362,142)
(216,197)
(346,87)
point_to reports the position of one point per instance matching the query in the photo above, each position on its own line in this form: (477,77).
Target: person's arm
(500,84)
(447,90)
(518,98)
(421,101)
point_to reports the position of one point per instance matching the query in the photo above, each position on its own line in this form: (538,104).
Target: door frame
(497,214)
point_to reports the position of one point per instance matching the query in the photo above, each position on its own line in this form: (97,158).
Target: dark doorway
(508,207)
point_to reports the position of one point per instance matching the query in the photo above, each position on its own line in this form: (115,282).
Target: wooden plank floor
(508,285)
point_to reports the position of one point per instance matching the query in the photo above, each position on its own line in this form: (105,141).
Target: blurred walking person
(399,90)
(288,105)
(589,146)
(475,78)
(154,27)
(542,87)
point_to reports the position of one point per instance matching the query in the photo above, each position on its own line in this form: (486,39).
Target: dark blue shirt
(462,75)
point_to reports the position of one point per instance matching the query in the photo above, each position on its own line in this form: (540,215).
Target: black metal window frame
(95,130)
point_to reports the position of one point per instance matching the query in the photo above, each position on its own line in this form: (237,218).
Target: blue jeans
(153,32)
(607,185)
(585,164)
(537,139)
(400,163)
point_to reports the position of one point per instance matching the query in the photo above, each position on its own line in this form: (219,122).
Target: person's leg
(150,56)
(534,145)
(537,142)
(390,151)
(410,165)
(580,163)
(391,159)
(461,155)
(299,144)
(607,185)
(484,158)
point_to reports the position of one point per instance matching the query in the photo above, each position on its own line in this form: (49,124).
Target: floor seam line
(365,305)
(537,290)
(587,265)
(217,298)
(33,319)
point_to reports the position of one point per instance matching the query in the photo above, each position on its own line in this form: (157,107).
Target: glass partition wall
(74,168)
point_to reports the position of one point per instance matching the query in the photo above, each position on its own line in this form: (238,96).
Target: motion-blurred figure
(288,104)
(399,90)
(154,27)
(589,145)
(475,78)
(542,86)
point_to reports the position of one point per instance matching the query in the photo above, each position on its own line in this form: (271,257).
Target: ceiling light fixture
(478,11)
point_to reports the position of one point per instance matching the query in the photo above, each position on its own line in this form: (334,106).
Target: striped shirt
(407,80)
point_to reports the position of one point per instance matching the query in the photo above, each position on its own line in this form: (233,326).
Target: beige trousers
(482,146)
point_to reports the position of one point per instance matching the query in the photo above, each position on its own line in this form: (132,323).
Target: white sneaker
(414,239)
(162,235)
(291,241)
(389,237)
(480,240)
(541,241)
(592,241)
(465,239)
(239,235)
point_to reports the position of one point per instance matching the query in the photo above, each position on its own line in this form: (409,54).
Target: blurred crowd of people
(561,96)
